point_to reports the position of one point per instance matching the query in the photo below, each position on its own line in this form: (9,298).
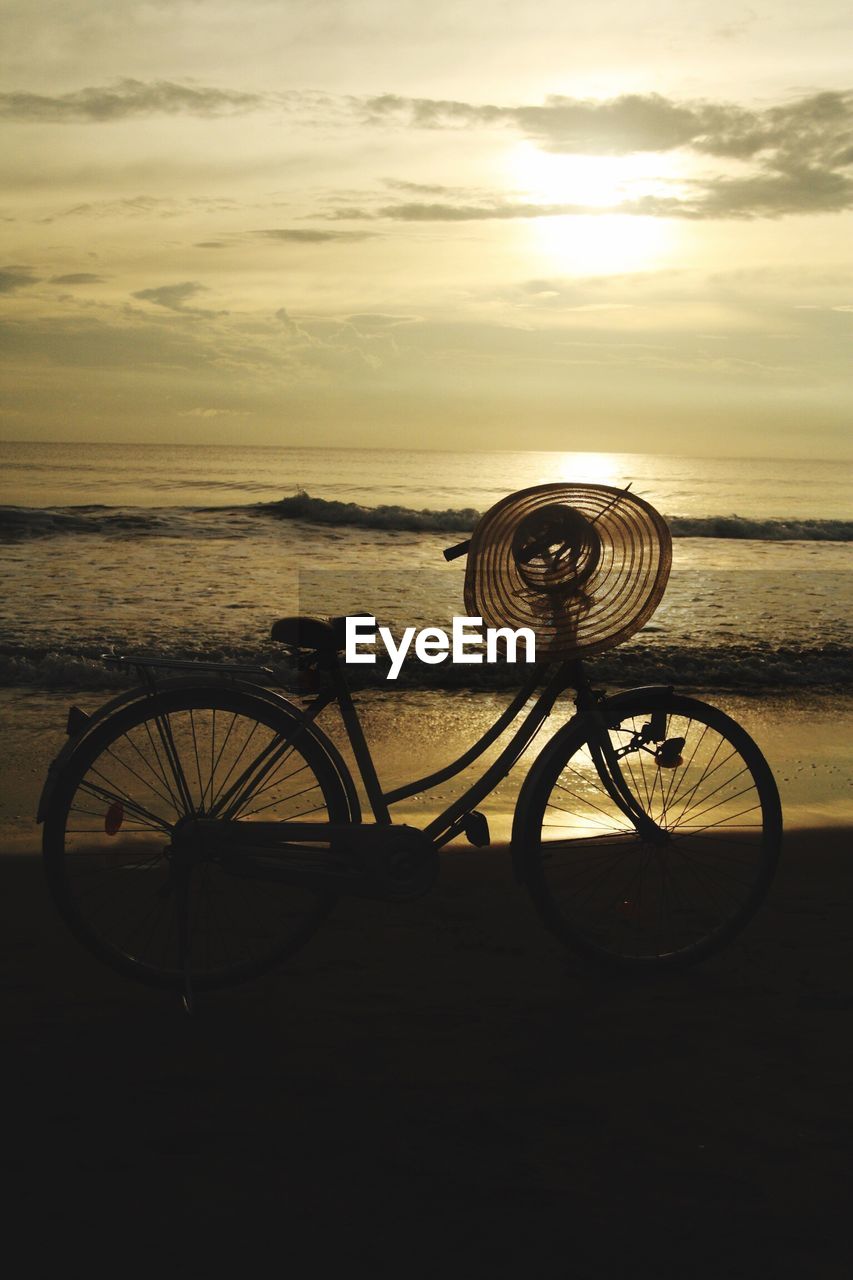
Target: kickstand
(183,908)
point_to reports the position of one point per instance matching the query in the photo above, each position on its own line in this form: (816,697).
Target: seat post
(358,742)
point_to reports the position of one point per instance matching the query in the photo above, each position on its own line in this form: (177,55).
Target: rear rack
(184,664)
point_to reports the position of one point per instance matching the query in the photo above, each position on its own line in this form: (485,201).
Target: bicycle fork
(609,771)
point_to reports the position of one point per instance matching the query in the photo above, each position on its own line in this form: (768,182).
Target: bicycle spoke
(126,801)
(692,807)
(582,800)
(652,897)
(250,794)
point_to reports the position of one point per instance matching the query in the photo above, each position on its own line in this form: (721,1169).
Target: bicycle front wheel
(111,836)
(671,900)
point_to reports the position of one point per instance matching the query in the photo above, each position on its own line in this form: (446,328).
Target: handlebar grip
(461,549)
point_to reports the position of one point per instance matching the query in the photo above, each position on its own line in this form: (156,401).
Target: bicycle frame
(452,820)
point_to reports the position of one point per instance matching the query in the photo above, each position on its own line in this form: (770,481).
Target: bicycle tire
(631,903)
(115,888)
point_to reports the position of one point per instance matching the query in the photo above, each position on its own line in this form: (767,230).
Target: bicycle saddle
(323,635)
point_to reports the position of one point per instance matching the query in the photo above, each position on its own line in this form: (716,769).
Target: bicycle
(199,827)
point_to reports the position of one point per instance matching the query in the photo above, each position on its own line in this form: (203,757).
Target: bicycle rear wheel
(641,903)
(110,836)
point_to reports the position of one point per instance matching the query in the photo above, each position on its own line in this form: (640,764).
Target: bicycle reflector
(583,566)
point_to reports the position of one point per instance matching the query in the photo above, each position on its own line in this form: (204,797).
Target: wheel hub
(188,846)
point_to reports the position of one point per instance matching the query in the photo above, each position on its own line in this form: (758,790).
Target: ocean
(193,551)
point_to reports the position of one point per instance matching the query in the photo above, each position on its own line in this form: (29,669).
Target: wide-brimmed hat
(583,565)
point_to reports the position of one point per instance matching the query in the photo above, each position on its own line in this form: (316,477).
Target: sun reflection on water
(590,468)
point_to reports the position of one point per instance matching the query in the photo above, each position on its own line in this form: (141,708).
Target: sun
(585,227)
(585,181)
(602,244)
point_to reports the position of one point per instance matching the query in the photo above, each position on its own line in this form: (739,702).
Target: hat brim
(617,597)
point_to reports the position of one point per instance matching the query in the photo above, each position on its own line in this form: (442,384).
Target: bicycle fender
(572,730)
(74,740)
(575,730)
(628,695)
(139,693)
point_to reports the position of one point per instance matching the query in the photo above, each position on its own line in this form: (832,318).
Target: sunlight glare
(591,182)
(582,240)
(598,244)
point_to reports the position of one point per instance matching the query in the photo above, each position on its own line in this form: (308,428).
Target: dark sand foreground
(435,1089)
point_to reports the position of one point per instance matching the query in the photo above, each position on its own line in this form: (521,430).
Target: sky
(447,225)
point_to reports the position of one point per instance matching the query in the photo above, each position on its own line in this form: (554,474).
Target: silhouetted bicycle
(199,827)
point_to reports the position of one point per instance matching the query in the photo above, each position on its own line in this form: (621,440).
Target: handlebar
(461,549)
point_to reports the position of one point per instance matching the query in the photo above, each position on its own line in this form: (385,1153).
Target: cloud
(104,343)
(811,129)
(799,151)
(814,129)
(417,188)
(676,344)
(77,277)
(12,278)
(340,345)
(762,195)
(637,122)
(131,206)
(619,126)
(614,126)
(446,212)
(794,157)
(174,297)
(125,99)
(145,206)
(372,320)
(306,235)
(767,194)
(200,412)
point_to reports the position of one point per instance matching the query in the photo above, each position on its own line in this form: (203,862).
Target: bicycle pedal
(477,829)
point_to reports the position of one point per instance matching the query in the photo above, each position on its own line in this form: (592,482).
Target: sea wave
(398,519)
(776,530)
(747,668)
(21,523)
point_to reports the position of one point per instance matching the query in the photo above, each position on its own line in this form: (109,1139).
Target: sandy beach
(437,1088)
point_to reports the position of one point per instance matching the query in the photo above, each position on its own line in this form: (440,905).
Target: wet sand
(806,736)
(437,1089)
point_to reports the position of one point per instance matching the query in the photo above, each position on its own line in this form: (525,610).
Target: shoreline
(749,670)
(805,736)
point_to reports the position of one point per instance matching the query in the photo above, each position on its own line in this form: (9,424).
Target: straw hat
(583,565)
